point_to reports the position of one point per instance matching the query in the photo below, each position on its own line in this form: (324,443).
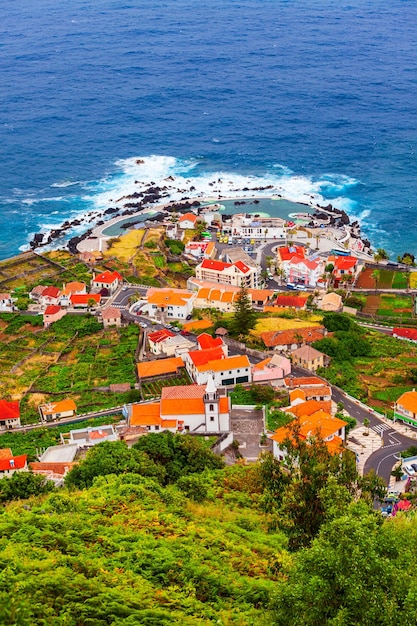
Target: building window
(156,427)
(211,407)
(211,418)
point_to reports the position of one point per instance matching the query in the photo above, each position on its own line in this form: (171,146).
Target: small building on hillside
(160,368)
(107,280)
(52,314)
(50,295)
(85,300)
(57,410)
(272,370)
(6,303)
(331,302)
(168,343)
(111,316)
(187,221)
(309,358)
(291,302)
(9,415)
(91,436)
(169,303)
(10,464)
(289,340)
(405,408)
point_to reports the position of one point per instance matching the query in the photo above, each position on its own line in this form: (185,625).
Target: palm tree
(376,275)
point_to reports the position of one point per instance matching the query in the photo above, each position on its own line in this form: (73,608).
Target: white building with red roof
(9,415)
(107,280)
(286,253)
(50,295)
(6,303)
(52,314)
(187,221)
(344,268)
(300,270)
(237,274)
(10,464)
(226,370)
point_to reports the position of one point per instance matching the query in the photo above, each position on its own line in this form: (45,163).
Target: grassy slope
(128,551)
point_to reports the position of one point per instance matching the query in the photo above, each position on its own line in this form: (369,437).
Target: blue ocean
(315,99)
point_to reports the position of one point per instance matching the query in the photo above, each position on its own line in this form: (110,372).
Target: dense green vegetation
(161,534)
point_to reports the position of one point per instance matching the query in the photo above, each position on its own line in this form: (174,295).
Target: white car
(300,288)
(143,325)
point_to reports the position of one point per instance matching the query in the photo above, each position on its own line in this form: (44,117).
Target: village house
(90,436)
(169,303)
(289,340)
(314,420)
(299,270)
(291,302)
(247,226)
(309,358)
(200,249)
(9,415)
(50,295)
(188,221)
(168,343)
(52,314)
(55,472)
(111,317)
(107,280)
(286,253)
(70,288)
(214,298)
(6,303)
(226,370)
(272,370)
(237,274)
(37,292)
(85,300)
(206,342)
(186,408)
(159,369)
(405,408)
(321,393)
(331,301)
(345,268)
(57,410)
(10,464)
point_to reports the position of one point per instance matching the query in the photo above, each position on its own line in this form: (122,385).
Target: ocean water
(316,98)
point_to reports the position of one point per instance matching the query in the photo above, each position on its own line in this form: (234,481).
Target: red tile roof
(297,302)
(303,381)
(108,277)
(9,410)
(287,253)
(52,309)
(160,335)
(60,467)
(206,341)
(345,262)
(13,463)
(201,357)
(148,369)
(217,266)
(51,292)
(309,334)
(188,216)
(405,333)
(83,298)
(242,266)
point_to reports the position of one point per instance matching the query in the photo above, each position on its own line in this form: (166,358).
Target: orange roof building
(169,303)
(193,408)
(319,424)
(227,370)
(405,409)
(153,369)
(57,410)
(293,338)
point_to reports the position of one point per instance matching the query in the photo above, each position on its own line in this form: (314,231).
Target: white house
(10,464)
(237,274)
(107,280)
(226,370)
(6,303)
(187,221)
(9,415)
(301,270)
(248,226)
(170,303)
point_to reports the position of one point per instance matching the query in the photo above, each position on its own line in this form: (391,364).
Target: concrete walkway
(363,442)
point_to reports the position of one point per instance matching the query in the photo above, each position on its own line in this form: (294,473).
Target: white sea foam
(67,183)
(178,179)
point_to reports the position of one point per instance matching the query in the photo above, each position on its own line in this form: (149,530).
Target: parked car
(291,286)
(143,325)
(185,333)
(300,287)
(189,317)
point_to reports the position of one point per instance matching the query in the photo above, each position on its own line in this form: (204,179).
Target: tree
(22,485)
(376,275)
(112,457)
(380,255)
(366,423)
(244,317)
